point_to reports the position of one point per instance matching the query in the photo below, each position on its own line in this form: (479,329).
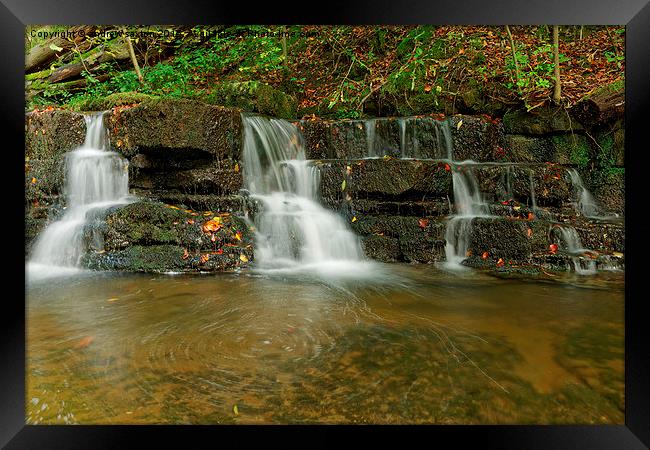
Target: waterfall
(371,127)
(572,245)
(294,233)
(585,203)
(401,122)
(96,179)
(468,201)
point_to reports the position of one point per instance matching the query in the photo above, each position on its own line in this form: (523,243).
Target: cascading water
(371,127)
(294,233)
(572,245)
(585,202)
(468,201)
(96,179)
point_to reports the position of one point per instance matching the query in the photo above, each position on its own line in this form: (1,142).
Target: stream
(419,344)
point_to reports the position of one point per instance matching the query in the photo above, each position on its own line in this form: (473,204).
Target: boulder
(176,124)
(154,237)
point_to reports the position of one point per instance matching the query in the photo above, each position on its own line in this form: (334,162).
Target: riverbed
(419,344)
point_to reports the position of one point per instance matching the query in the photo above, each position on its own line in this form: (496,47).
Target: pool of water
(422,345)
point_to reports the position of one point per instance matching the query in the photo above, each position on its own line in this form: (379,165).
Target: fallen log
(116,50)
(37,86)
(43,54)
(604,105)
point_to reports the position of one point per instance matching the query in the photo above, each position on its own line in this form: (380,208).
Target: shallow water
(435,347)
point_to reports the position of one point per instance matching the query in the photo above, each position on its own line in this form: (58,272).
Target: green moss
(253,96)
(580,154)
(108,102)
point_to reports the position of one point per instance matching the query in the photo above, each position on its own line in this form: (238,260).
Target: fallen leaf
(617,254)
(33,180)
(213,238)
(529,232)
(212,225)
(243,258)
(500,262)
(190,221)
(112,299)
(185,254)
(204,258)
(447,167)
(423,223)
(85,342)
(238,235)
(235,410)
(485,255)
(459,124)
(427,88)
(236,167)
(343,186)
(354,219)
(553,249)
(531,216)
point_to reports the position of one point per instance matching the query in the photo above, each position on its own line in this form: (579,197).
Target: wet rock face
(474,138)
(187,154)
(154,237)
(49,134)
(176,124)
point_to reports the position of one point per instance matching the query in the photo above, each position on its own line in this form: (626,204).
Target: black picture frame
(15,14)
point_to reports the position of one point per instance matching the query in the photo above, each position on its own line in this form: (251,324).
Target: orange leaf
(185,254)
(485,255)
(500,262)
(211,226)
(553,249)
(204,258)
(530,232)
(85,342)
(423,223)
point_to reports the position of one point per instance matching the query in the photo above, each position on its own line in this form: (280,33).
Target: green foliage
(580,155)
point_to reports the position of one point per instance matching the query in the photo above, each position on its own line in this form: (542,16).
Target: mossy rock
(176,124)
(111,101)
(49,134)
(254,97)
(539,122)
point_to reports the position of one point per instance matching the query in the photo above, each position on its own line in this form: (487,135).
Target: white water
(371,127)
(572,245)
(294,233)
(585,202)
(96,179)
(468,202)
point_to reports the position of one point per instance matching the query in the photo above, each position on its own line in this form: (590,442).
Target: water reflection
(431,348)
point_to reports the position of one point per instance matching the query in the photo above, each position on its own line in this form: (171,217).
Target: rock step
(401,180)
(422,239)
(154,237)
